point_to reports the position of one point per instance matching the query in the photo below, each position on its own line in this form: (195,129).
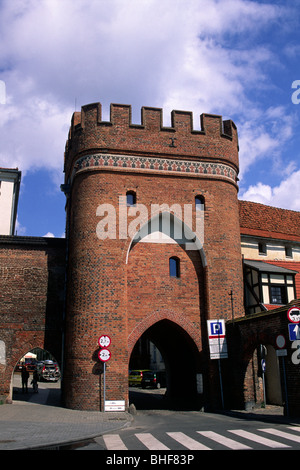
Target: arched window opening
(130,198)
(200,203)
(174,267)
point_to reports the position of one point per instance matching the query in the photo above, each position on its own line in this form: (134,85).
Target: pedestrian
(25,377)
(35,381)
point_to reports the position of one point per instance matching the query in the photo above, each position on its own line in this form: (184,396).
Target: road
(156,428)
(182,431)
(166,430)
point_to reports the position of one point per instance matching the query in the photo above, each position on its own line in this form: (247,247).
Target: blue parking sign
(294,331)
(216,329)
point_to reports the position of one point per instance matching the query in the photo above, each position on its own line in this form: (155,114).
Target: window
(262,248)
(288,252)
(174,267)
(278,295)
(278,289)
(199,203)
(130,198)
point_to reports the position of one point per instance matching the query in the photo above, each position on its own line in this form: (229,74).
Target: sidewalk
(37,420)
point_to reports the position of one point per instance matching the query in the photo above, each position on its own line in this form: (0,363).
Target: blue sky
(236,58)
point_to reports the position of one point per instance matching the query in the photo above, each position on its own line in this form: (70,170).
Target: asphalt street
(38,421)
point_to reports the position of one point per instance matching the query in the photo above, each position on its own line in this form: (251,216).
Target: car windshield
(148,374)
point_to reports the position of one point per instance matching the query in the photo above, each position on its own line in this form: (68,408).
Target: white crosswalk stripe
(187,441)
(114,442)
(225,441)
(256,438)
(285,435)
(150,442)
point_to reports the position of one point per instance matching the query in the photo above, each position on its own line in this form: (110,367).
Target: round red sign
(293,315)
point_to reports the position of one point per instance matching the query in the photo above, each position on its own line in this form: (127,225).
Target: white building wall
(9,192)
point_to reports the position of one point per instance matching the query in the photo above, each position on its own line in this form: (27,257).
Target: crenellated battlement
(216,141)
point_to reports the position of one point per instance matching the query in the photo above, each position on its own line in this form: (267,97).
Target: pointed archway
(182,364)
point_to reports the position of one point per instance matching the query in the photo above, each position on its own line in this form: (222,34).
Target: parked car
(154,379)
(48,371)
(30,365)
(135,377)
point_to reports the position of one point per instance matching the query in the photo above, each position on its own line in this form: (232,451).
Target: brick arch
(149,321)
(28,344)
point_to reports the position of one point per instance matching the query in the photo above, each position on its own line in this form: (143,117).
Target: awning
(267,268)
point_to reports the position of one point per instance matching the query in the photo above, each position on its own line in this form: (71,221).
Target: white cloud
(285,196)
(49,235)
(194,55)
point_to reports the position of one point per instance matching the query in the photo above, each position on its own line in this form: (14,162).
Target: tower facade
(153,249)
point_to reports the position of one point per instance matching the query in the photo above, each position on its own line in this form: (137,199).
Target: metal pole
(264,388)
(285,387)
(221,385)
(104,367)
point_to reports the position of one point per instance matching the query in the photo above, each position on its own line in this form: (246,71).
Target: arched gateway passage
(166,303)
(181,362)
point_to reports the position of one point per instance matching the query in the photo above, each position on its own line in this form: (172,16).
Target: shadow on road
(49,393)
(150,399)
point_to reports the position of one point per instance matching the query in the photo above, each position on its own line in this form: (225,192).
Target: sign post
(293,314)
(217,345)
(104,356)
(281,351)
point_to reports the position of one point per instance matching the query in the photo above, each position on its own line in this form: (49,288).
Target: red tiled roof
(270,222)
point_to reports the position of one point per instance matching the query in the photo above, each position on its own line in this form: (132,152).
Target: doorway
(42,365)
(176,354)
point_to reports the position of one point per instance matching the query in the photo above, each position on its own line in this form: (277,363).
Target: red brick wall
(245,336)
(106,295)
(32,274)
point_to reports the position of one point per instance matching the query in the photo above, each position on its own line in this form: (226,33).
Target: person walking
(25,377)
(35,381)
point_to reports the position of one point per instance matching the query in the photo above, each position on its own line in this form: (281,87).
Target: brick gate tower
(153,249)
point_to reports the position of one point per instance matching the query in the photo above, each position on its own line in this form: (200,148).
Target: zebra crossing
(240,439)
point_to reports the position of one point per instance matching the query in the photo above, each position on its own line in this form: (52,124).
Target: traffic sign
(104,355)
(294,331)
(293,314)
(216,328)
(217,339)
(104,341)
(280,341)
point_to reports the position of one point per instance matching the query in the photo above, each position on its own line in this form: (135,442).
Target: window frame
(284,285)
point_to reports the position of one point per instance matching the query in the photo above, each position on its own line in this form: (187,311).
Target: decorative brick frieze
(148,164)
